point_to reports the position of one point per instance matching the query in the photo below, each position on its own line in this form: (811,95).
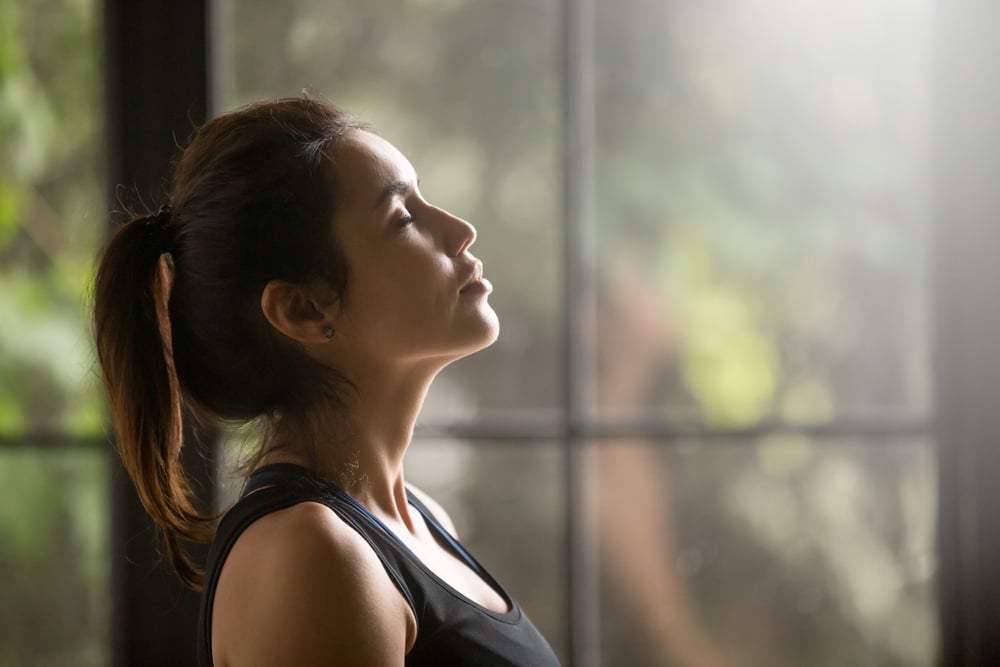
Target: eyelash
(405,222)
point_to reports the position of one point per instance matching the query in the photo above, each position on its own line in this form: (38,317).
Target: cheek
(397,296)
(402,289)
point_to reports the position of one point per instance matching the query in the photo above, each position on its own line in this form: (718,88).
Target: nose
(459,234)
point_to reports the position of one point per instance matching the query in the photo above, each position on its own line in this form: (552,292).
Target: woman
(299,279)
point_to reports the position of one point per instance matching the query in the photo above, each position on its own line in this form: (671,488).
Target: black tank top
(451,629)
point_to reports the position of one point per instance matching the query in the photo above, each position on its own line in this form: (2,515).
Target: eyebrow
(397,188)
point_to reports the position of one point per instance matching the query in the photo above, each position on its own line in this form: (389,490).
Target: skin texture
(327,599)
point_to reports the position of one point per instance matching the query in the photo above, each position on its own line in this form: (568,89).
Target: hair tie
(159,225)
(161,217)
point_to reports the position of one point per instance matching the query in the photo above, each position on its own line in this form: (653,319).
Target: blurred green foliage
(764,166)
(53,507)
(53,558)
(51,214)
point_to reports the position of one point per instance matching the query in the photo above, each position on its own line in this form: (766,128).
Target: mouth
(477,283)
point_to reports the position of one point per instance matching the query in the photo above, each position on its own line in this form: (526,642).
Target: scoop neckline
(511,616)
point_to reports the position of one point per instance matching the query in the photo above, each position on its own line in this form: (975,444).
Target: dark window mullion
(965,241)
(578,179)
(873,430)
(156,91)
(53,441)
(533,431)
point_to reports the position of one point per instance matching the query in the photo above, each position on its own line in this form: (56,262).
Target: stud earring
(328,332)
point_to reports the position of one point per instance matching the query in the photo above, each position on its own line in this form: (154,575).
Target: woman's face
(414,291)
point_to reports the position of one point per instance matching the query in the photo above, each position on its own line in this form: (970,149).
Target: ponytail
(134,348)
(254,192)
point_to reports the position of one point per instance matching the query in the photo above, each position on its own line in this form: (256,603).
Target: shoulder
(301,587)
(435,509)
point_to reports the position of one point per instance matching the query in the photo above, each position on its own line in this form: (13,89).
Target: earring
(328,332)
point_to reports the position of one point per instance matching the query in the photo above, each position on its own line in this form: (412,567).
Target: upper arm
(435,509)
(301,588)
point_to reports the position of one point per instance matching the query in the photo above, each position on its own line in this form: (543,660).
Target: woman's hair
(177,314)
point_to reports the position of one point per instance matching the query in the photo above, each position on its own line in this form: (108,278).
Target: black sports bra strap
(273,474)
(443,535)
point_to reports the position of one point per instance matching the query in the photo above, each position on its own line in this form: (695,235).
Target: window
(707,417)
(706,429)
(54,510)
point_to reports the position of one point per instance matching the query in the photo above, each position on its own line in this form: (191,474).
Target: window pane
(54,511)
(54,516)
(761,206)
(52,214)
(783,551)
(476,118)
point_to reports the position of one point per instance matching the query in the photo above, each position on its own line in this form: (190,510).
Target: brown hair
(177,316)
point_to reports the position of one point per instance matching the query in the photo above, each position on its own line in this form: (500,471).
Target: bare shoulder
(435,508)
(300,587)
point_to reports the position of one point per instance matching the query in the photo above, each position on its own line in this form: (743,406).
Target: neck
(364,452)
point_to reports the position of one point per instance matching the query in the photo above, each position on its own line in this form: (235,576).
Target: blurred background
(710,432)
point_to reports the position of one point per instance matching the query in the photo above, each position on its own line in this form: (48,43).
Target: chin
(492,322)
(482,334)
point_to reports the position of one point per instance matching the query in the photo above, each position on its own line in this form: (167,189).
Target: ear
(296,311)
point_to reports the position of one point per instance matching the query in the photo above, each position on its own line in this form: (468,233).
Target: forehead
(366,163)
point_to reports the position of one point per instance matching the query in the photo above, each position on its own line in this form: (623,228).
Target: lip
(476,282)
(481,286)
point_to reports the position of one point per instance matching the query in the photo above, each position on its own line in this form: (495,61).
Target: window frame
(156,90)
(157,83)
(966,326)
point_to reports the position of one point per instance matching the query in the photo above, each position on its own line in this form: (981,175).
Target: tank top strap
(279,486)
(230,528)
(442,535)
(271,475)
